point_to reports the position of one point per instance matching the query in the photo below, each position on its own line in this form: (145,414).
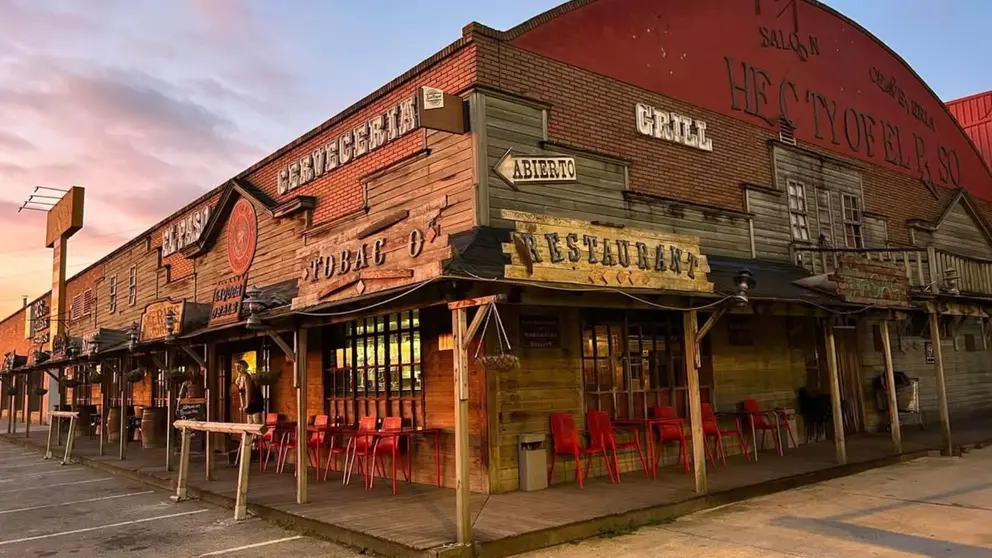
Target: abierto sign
(516,169)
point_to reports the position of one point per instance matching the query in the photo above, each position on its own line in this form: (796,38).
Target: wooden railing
(929,269)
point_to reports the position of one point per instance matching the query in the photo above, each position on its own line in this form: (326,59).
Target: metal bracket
(194,355)
(281,343)
(157,362)
(710,322)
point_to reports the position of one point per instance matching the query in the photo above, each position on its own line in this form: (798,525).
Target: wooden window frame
(132,285)
(852,213)
(391,383)
(825,227)
(112,294)
(795,191)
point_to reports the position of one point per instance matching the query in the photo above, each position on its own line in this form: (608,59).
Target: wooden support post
(169,439)
(462,494)
(690,327)
(241,502)
(302,461)
(183,480)
(27,406)
(10,412)
(891,389)
(210,378)
(123,424)
(946,445)
(840,444)
(70,440)
(104,415)
(55,424)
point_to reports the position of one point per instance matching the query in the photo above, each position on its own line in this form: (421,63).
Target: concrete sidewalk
(932,506)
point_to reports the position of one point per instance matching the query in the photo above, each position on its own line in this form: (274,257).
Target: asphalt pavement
(47,509)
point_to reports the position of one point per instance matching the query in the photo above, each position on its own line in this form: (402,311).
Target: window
(88,302)
(374,370)
(633,363)
(798,213)
(132,286)
(741,332)
(82,394)
(112,294)
(76,311)
(852,221)
(160,389)
(825,218)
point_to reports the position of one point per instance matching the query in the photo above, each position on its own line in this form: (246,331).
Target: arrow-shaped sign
(534,169)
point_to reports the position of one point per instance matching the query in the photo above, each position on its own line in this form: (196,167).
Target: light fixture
(254,304)
(132,334)
(951,277)
(170,326)
(744,282)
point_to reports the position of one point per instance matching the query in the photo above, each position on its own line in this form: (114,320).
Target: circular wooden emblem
(242,236)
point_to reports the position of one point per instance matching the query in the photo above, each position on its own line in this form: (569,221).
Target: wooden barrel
(114,424)
(153,427)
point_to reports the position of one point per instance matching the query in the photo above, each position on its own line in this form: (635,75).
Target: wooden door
(851,379)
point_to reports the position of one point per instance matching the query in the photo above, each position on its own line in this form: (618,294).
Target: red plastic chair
(315,442)
(711,428)
(565,438)
(389,445)
(671,431)
(601,428)
(267,441)
(765,421)
(362,444)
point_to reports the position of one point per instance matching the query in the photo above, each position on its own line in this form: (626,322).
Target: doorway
(851,378)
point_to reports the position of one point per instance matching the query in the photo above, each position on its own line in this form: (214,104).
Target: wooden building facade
(612,194)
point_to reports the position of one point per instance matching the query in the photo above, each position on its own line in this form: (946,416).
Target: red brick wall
(597,113)
(340,192)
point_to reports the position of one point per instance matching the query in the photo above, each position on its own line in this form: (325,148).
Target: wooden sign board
(540,332)
(404,247)
(516,169)
(37,319)
(557,250)
(153,319)
(12,361)
(442,111)
(871,283)
(227,299)
(66,217)
(193,409)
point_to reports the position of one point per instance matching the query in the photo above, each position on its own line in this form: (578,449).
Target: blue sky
(149,103)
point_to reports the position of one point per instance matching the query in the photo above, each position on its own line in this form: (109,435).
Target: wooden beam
(281,343)
(302,462)
(222,427)
(690,347)
(946,447)
(471,302)
(157,362)
(200,361)
(840,444)
(463,519)
(241,501)
(891,389)
(709,323)
(182,480)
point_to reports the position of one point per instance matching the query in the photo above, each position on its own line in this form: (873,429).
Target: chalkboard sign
(540,332)
(193,409)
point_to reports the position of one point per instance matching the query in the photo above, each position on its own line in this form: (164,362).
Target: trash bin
(533,459)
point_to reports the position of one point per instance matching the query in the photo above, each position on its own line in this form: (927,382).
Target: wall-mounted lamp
(94,345)
(744,282)
(951,277)
(132,337)
(170,326)
(254,305)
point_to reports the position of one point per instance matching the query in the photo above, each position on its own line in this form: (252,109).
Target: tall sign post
(65,218)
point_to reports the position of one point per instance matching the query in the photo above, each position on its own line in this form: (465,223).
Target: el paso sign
(764,60)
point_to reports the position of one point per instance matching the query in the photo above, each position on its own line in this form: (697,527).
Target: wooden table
(648,425)
(776,414)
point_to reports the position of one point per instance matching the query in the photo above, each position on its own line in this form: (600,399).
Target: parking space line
(97,528)
(55,485)
(37,474)
(32,508)
(250,546)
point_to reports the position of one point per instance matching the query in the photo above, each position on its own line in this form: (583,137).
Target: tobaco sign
(551,249)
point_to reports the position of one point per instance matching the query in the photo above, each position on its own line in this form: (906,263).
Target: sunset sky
(149,103)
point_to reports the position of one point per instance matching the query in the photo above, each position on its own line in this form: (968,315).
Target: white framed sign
(672,126)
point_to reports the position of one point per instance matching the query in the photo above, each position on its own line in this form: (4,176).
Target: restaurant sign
(551,249)
(403,247)
(871,283)
(227,299)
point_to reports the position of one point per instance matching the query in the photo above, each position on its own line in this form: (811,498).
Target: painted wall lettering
(890,87)
(673,127)
(185,231)
(353,144)
(803,44)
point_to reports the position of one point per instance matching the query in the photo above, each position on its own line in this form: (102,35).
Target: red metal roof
(975,115)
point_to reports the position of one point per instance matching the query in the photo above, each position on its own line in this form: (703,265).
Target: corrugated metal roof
(975,115)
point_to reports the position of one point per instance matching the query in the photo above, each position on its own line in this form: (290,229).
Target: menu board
(193,409)
(540,332)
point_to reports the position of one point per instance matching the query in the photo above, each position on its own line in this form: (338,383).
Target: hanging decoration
(503,361)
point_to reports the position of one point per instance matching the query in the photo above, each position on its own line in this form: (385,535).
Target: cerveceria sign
(559,250)
(403,247)
(353,144)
